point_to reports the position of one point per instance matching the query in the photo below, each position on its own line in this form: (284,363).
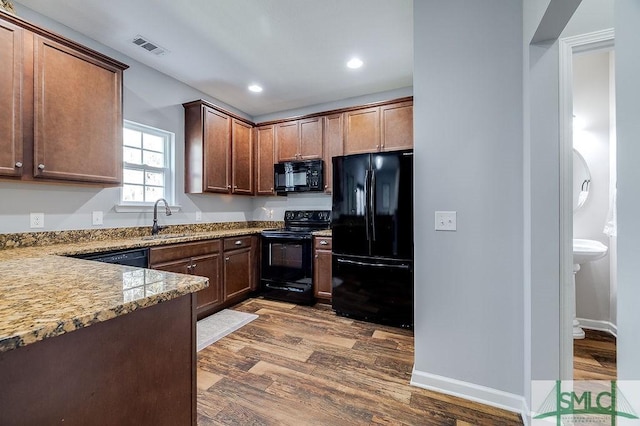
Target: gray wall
(154,99)
(468,101)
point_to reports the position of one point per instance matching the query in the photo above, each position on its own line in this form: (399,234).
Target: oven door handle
(375,265)
(285,288)
(287,237)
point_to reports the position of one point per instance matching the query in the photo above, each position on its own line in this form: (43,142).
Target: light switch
(446,221)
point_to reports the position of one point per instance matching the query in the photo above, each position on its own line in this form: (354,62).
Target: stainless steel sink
(164,237)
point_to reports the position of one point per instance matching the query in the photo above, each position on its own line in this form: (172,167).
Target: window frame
(168,169)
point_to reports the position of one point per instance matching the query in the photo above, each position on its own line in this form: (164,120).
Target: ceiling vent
(149,45)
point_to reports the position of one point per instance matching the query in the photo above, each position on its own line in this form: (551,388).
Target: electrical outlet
(37,220)
(198,215)
(446,221)
(97,218)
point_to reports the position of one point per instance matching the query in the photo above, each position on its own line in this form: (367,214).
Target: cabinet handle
(41,166)
(226,259)
(316,256)
(238,243)
(18,164)
(228,186)
(323,242)
(188,267)
(235,186)
(193,266)
(271,189)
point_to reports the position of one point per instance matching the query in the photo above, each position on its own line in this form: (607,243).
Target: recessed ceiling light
(354,63)
(255,88)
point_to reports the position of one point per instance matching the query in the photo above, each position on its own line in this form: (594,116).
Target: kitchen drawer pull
(194,266)
(238,243)
(226,258)
(323,242)
(41,166)
(18,164)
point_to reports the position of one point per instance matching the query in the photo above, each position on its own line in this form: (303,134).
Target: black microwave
(298,176)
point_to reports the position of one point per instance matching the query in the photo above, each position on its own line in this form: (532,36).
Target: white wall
(591,106)
(627,16)
(468,99)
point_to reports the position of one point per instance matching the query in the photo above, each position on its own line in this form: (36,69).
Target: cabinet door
(396,127)
(237,273)
(217,142)
(264,148)
(77,115)
(287,141)
(242,158)
(322,274)
(10,97)
(208,266)
(310,138)
(362,131)
(332,147)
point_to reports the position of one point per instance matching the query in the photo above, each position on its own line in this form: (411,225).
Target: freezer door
(350,215)
(373,289)
(392,204)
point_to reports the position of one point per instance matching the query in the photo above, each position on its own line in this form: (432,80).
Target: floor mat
(218,325)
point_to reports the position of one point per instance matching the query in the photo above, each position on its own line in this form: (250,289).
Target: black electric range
(287,256)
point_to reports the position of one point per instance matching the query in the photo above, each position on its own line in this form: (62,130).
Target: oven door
(287,271)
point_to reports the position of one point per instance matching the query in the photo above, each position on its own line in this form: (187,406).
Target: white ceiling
(295,49)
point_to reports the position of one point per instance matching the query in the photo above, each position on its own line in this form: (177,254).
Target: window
(147,172)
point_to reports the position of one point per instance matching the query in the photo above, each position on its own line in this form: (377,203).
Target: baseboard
(481,394)
(599,325)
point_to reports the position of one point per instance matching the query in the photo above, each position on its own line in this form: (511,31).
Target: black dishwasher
(135,257)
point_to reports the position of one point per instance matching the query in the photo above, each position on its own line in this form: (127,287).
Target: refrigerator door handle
(375,265)
(372,204)
(367,189)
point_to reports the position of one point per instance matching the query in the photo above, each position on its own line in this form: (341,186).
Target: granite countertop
(44,294)
(323,233)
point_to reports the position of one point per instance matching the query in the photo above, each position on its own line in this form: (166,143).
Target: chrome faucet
(155,228)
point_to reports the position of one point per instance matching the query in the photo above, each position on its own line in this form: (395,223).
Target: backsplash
(34,239)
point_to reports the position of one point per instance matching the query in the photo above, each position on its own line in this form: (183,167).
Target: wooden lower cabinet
(322,268)
(138,368)
(202,258)
(229,263)
(239,267)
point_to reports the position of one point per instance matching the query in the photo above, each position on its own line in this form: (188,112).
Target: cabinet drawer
(322,243)
(181,251)
(237,242)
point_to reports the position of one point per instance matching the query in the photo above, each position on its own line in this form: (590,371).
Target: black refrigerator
(372,228)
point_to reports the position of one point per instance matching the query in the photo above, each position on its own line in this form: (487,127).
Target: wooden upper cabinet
(362,131)
(77,115)
(216,144)
(396,128)
(242,157)
(218,151)
(61,105)
(333,126)
(265,137)
(299,139)
(310,138)
(287,138)
(11,161)
(382,128)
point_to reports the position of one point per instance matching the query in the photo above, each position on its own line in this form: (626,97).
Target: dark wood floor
(594,357)
(298,365)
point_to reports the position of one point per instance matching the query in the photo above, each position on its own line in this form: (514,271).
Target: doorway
(573,136)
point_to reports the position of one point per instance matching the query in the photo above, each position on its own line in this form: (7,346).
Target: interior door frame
(567,47)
